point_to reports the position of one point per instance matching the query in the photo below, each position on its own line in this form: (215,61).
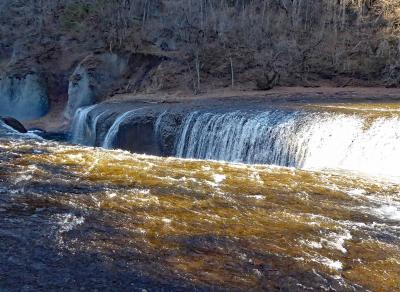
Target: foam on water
(218,178)
(389,212)
(335,224)
(7,131)
(68,222)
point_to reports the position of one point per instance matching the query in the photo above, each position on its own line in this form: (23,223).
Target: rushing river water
(74,217)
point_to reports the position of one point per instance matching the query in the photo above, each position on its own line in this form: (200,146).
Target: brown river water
(86,218)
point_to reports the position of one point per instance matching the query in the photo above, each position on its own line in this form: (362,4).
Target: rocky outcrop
(23,96)
(13,123)
(101,74)
(137,127)
(92,79)
(392,75)
(166,130)
(136,134)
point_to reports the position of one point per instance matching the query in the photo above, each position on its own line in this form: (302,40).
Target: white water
(113,131)
(302,139)
(81,131)
(158,123)
(244,137)
(297,139)
(7,131)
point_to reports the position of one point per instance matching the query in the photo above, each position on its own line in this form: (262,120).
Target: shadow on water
(57,137)
(40,250)
(55,236)
(73,217)
(32,259)
(41,247)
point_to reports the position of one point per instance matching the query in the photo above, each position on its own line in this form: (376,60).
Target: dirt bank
(296,93)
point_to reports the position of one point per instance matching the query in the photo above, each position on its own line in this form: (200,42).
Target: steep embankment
(29,93)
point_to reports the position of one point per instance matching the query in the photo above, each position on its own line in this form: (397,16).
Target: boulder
(13,123)
(23,97)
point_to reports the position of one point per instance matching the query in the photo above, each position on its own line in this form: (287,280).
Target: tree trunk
(232,73)
(197,60)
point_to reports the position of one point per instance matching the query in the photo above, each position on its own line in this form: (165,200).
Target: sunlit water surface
(75,217)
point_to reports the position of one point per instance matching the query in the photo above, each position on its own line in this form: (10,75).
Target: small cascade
(109,139)
(158,123)
(158,127)
(10,132)
(81,131)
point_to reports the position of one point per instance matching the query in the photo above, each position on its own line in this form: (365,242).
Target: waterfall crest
(242,137)
(109,139)
(296,138)
(307,140)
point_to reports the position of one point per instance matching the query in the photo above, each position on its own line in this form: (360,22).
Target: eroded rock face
(99,75)
(23,97)
(93,78)
(137,134)
(137,127)
(166,129)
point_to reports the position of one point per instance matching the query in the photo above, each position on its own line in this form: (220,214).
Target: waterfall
(158,123)
(158,127)
(109,139)
(301,139)
(296,138)
(242,137)
(81,131)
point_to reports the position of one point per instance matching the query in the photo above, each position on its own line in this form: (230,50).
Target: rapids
(75,218)
(275,197)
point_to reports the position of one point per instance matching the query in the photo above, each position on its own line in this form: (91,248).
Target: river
(78,217)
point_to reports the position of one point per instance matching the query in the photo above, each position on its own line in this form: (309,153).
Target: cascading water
(308,140)
(296,138)
(113,131)
(242,137)
(158,123)
(82,133)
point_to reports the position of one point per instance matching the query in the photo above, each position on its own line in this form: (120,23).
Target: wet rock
(166,131)
(23,97)
(137,127)
(150,131)
(15,124)
(136,134)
